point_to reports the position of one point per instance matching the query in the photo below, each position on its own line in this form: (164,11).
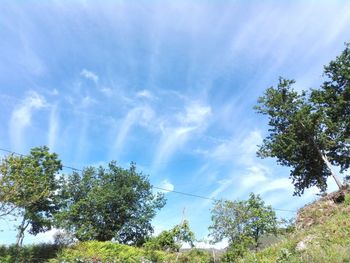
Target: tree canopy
(310,131)
(243,223)
(29,188)
(171,240)
(110,203)
(333,101)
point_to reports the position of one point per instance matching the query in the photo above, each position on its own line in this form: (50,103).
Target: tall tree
(29,188)
(332,100)
(297,136)
(110,203)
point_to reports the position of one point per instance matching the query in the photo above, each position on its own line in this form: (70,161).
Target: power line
(183,193)
(23,155)
(209,198)
(156,187)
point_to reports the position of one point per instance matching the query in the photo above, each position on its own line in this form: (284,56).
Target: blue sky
(167,84)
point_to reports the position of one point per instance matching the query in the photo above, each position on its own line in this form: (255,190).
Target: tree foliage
(243,223)
(332,100)
(110,203)
(296,135)
(310,131)
(29,188)
(171,240)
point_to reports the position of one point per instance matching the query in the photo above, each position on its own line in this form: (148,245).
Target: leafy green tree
(261,219)
(171,240)
(110,203)
(297,136)
(332,100)
(242,223)
(29,188)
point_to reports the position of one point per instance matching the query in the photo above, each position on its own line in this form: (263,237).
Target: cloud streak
(53,127)
(89,75)
(21,117)
(194,119)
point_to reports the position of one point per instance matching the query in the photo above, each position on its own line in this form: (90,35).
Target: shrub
(28,254)
(196,256)
(94,251)
(347,200)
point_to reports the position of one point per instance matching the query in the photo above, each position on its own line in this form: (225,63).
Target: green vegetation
(28,254)
(310,131)
(322,235)
(243,223)
(171,240)
(95,251)
(29,190)
(107,203)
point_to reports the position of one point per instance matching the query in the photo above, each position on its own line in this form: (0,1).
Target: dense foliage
(171,240)
(243,223)
(309,132)
(29,189)
(333,101)
(110,203)
(93,251)
(33,253)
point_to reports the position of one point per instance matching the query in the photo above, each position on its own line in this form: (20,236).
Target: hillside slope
(322,234)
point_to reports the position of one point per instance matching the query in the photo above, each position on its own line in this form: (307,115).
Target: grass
(323,227)
(109,252)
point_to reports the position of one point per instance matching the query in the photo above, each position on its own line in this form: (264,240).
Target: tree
(171,240)
(333,101)
(243,223)
(29,188)
(110,203)
(297,136)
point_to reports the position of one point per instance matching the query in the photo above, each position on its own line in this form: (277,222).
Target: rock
(302,245)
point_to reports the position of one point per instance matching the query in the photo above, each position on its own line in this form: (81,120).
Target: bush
(109,252)
(347,200)
(171,240)
(196,256)
(28,254)
(94,251)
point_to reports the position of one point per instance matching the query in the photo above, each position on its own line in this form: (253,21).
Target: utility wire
(156,187)
(23,155)
(183,193)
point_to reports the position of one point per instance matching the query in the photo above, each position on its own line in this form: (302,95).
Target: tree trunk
(325,159)
(20,234)
(256,239)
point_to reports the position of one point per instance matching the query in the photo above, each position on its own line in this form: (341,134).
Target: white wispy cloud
(21,117)
(193,119)
(241,148)
(240,152)
(53,127)
(223,186)
(275,184)
(90,75)
(87,101)
(29,57)
(256,175)
(140,115)
(146,94)
(107,91)
(165,184)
